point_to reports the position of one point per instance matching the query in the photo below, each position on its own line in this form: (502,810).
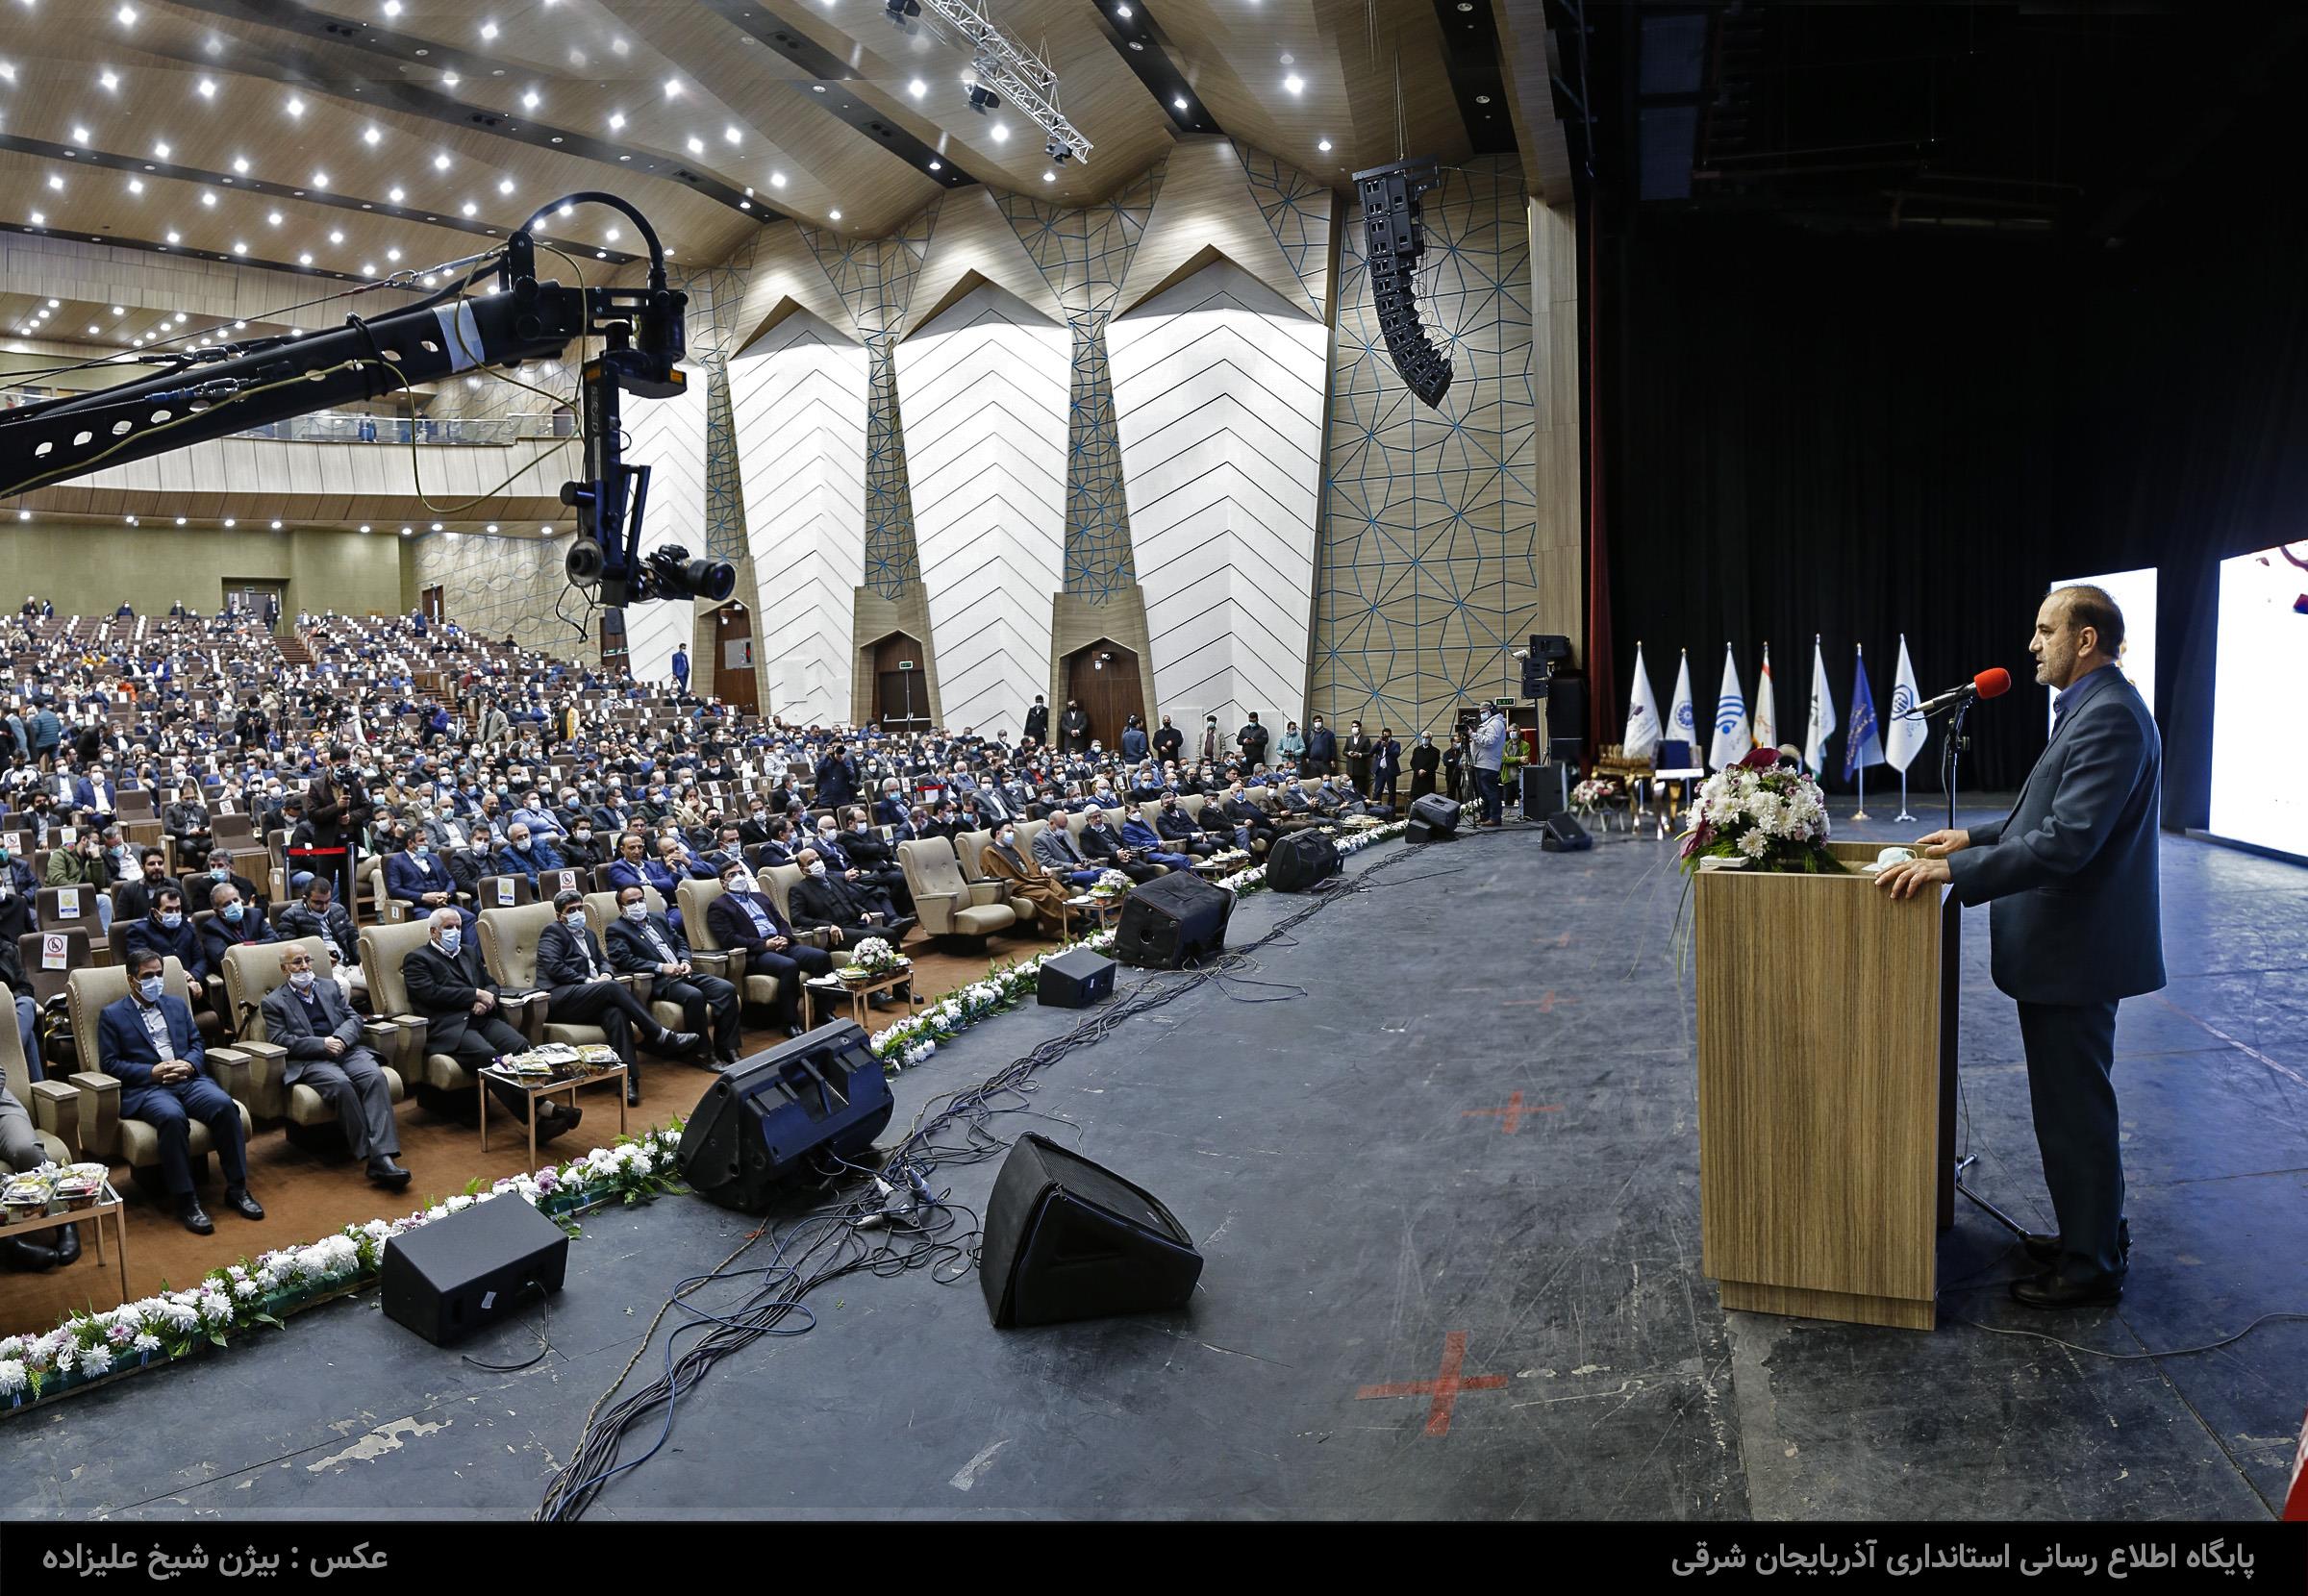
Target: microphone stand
(1952,950)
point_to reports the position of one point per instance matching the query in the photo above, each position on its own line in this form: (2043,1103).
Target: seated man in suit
(1021,877)
(1252,829)
(416,878)
(1179,831)
(187,819)
(1103,846)
(98,794)
(1149,844)
(1056,851)
(525,853)
(464,1011)
(198,885)
(574,968)
(233,924)
(169,930)
(317,914)
(821,898)
(754,829)
(747,917)
(633,867)
(876,857)
(311,1019)
(1300,812)
(131,900)
(642,943)
(583,848)
(148,1039)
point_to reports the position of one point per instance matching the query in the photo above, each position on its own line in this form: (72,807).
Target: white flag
(1903,740)
(1681,726)
(1731,738)
(1823,713)
(1766,706)
(1643,715)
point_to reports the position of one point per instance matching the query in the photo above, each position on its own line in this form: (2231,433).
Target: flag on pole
(1679,719)
(1766,706)
(1643,715)
(1823,713)
(1905,738)
(1731,738)
(1861,745)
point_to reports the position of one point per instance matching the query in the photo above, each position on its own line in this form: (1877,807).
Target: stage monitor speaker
(1434,818)
(1068,1239)
(454,1275)
(1543,790)
(1076,978)
(1551,646)
(1172,920)
(765,1117)
(1537,681)
(1566,707)
(1564,835)
(1297,861)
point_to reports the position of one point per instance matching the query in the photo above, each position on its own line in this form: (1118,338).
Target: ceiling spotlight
(981,98)
(40,218)
(470,209)
(616,120)
(109,80)
(321,180)
(902,11)
(207,89)
(392,7)
(296,107)
(393,255)
(304,259)
(1001,134)
(207,197)
(239,248)
(937,165)
(276,526)
(492,526)
(336,237)
(505,186)
(612,234)
(777,180)
(488,30)
(405,531)
(450,80)
(918,89)
(1322,144)
(732,136)
(172,236)
(1122,12)
(395,194)
(1179,101)
(80,135)
(372,136)
(1049,176)
(567,211)
(441,162)
(180,315)
(1057,149)
(672,89)
(365,529)
(160,149)
(437,526)
(230,521)
(92,328)
(1294,84)
(531,100)
(136,185)
(127,15)
(240,164)
(119,310)
(56,183)
(180,520)
(696,146)
(833,215)
(369,268)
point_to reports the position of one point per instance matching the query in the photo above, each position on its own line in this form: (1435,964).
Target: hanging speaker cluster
(1393,240)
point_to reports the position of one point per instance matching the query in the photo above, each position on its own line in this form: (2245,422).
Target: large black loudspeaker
(1393,239)
(765,1117)
(1297,861)
(454,1275)
(1541,790)
(1066,1239)
(1076,978)
(1564,835)
(1172,920)
(1566,707)
(1434,818)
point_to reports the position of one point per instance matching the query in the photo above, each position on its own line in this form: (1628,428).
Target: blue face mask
(451,939)
(232,914)
(150,988)
(172,918)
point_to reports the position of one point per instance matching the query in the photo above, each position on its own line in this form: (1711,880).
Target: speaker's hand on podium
(1910,877)
(1941,843)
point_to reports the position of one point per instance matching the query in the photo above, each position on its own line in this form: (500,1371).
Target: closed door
(901,693)
(1103,678)
(732,671)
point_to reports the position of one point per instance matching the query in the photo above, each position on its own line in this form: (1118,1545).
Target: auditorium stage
(1464,1159)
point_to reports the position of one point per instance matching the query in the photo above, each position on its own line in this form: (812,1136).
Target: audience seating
(105,1132)
(252,973)
(947,904)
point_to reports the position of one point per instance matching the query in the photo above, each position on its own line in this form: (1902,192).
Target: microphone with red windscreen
(1993,682)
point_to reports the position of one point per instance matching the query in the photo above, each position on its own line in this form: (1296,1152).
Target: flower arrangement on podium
(872,958)
(1111,883)
(1593,793)
(1761,816)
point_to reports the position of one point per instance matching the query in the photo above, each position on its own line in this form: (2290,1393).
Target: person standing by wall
(1487,752)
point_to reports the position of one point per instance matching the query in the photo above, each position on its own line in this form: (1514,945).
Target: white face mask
(819,869)
(574,919)
(301,979)
(740,884)
(636,911)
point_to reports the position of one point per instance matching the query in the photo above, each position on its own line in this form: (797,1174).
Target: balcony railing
(354,427)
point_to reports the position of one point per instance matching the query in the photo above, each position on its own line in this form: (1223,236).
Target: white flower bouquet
(874,955)
(1594,793)
(1766,817)
(1111,883)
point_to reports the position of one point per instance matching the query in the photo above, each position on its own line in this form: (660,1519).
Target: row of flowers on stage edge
(910,1041)
(232,1302)
(229,1303)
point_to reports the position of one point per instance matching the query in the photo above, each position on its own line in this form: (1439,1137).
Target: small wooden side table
(1105,912)
(535,1087)
(826,993)
(109,1204)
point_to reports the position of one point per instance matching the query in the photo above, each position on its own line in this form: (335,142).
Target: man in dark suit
(743,917)
(464,1011)
(1178,829)
(310,1018)
(1038,721)
(97,794)
(837,778)
(131,900)
(417,877)
(642,943)
(525,853)
(148,1039)
(233,924)
(821,898)
(877,857)
(2071,875)
(574,967)
(1103,846)
(338,807)
(167,931)
(317,913)
(1386,769)
(1057,852)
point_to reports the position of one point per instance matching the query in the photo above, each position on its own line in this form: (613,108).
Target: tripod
(1951,948)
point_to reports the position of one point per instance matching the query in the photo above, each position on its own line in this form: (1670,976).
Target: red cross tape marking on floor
(1511,1115)
(1445,1387)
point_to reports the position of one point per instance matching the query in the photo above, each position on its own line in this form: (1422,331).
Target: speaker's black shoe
(387,1174)
(633,1091)
(67,1245)
(19,1253)
(795,1028)
(561,1119)
(2048,1291)
(194,1218)
(2045,1248)
(238,1199)
(678,1041)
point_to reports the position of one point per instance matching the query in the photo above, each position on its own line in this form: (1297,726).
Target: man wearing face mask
(642,943)
(744,916)
(311,1019)
(318,914)
(832,849)
(821,898)
(875,856)
(149,1041)
(415,877)
(187,819)
(1073,728)
(1386,771)
(233,924)
(464,1011)
(584,850)
(1425,760)
(1179,832)
(525,853)
(576,970)
(18,898)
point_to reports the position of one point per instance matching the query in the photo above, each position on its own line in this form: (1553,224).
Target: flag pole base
(1861,814)
(1903,818)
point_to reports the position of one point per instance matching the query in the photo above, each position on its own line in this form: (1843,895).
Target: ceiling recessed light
(918,89)
(119,310)
(395,194)
(239,248)
(127,15)
(109,80)
(365,529)
(80,135)
(696,146)
(733,136)
(603,253)
(207,197)
(39,219)
(1322,144)
(93,329)
(305,260)
(1179,101)
(1122,12)
(160,149)
(180,315)
(531,100)
(392,7)
(488,30)
(1295,84)
(231,522)
(833,216)
(672,88)
(372,136)
(369,268)
(321,180)
(336,236)
(180,520)
(492,526)
(437,526)
(616,120)
(405,531)
(777,180)
(612,234)
(393,255)
(56,183)
(276,526)
(937,165)
(567,211)
(136,185)
(470,209)
(450,80)
(58,305)
(296,107)
(441,163)
(207,89)
(505,186)
(1001,132)
(1049,176)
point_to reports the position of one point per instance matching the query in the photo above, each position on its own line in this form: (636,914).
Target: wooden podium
(1819,1088)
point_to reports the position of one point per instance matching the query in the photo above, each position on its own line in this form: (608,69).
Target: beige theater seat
(103,1132)
(252,973)
(948,903)
(508,953)
(52,1105)
(441,1084)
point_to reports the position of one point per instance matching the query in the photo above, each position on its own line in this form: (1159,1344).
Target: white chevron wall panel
(669,437)
(983,388)
(798,400)
(1217,392)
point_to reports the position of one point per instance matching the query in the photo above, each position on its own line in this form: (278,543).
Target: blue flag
(1861,745)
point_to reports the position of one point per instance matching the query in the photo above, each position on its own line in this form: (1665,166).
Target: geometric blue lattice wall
(1297,210)
(1426,564)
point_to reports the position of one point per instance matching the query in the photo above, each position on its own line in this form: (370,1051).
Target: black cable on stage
(838,1238)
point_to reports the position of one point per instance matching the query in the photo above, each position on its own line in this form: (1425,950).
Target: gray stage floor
(1364,1209)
